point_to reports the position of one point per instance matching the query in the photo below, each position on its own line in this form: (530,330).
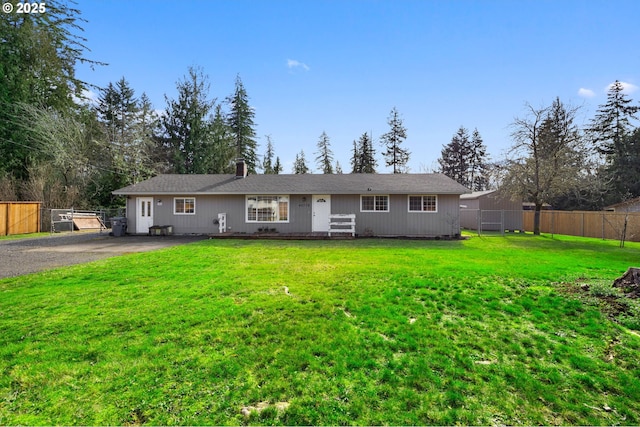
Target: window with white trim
(423,203)
(374,203)
(267,208)
(184,205)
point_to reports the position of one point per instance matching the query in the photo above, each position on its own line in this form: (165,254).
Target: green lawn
(481,331)
(25,236)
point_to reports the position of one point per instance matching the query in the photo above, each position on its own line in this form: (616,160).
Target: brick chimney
(241,169)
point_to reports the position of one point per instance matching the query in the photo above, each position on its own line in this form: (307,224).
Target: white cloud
(627,88)
(586,93)
(293,64)
(87,97)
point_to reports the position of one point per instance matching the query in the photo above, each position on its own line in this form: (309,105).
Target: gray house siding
(470,204)
(130,209)
(499,203)
(208,208)
(399,221)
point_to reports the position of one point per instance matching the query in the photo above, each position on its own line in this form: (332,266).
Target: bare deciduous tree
(546,158)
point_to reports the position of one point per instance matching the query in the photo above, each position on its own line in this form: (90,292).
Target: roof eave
(279,192)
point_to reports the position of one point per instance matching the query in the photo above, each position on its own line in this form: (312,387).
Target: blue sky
(341,66)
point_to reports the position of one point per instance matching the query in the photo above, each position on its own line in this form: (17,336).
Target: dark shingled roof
(296,184)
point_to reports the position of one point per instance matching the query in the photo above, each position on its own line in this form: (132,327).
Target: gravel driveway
(30,255)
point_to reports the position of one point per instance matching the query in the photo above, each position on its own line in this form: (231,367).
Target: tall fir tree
(395,155)
(612,122)
(478,164)
(300,164)
(355,159)
(632,164)
(464,160)
(277,166)
(222,144)
(240,120)
(610,132)
(454,159)
(267,162)
(324,155)
(367,161)
(187,126)
(129,126)
(149,131)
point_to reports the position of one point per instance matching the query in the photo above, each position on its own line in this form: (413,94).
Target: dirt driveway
(30,255)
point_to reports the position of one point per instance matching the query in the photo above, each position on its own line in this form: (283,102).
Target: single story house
(490,211)
(412,205)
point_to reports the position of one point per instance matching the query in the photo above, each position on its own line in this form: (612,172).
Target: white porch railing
(342,223)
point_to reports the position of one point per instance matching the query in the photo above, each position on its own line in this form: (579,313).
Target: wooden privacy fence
(599,224)
(19,218)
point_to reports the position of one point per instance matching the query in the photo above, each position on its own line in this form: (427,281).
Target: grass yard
(481,331)
(25,236)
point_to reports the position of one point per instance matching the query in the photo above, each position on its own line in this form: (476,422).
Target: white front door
(144,214)
(321,207)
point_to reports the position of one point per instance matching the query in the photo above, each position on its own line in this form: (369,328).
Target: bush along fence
(19,218)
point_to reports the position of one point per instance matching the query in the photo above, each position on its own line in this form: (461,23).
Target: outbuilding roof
(296,184)
(625,205)
(476,194)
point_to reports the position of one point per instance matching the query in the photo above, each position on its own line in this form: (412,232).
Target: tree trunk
(623,234)
(629,283)
(536,219)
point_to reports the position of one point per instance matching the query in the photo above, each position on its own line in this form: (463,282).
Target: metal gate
(491,222)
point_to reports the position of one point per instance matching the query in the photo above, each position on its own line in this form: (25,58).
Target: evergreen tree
(148,118)
(38,57)
(613,122)
(187,127)
(367,160)
(632,165)
(267,163)
(478,164)
(464,160)
(277,166)
(300,164)
(355,159)
(395,155)
(454,160)
(240,120)
(149,131)
(324,156)
(129,125)
(338,167)
(222,144)
(610,131)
